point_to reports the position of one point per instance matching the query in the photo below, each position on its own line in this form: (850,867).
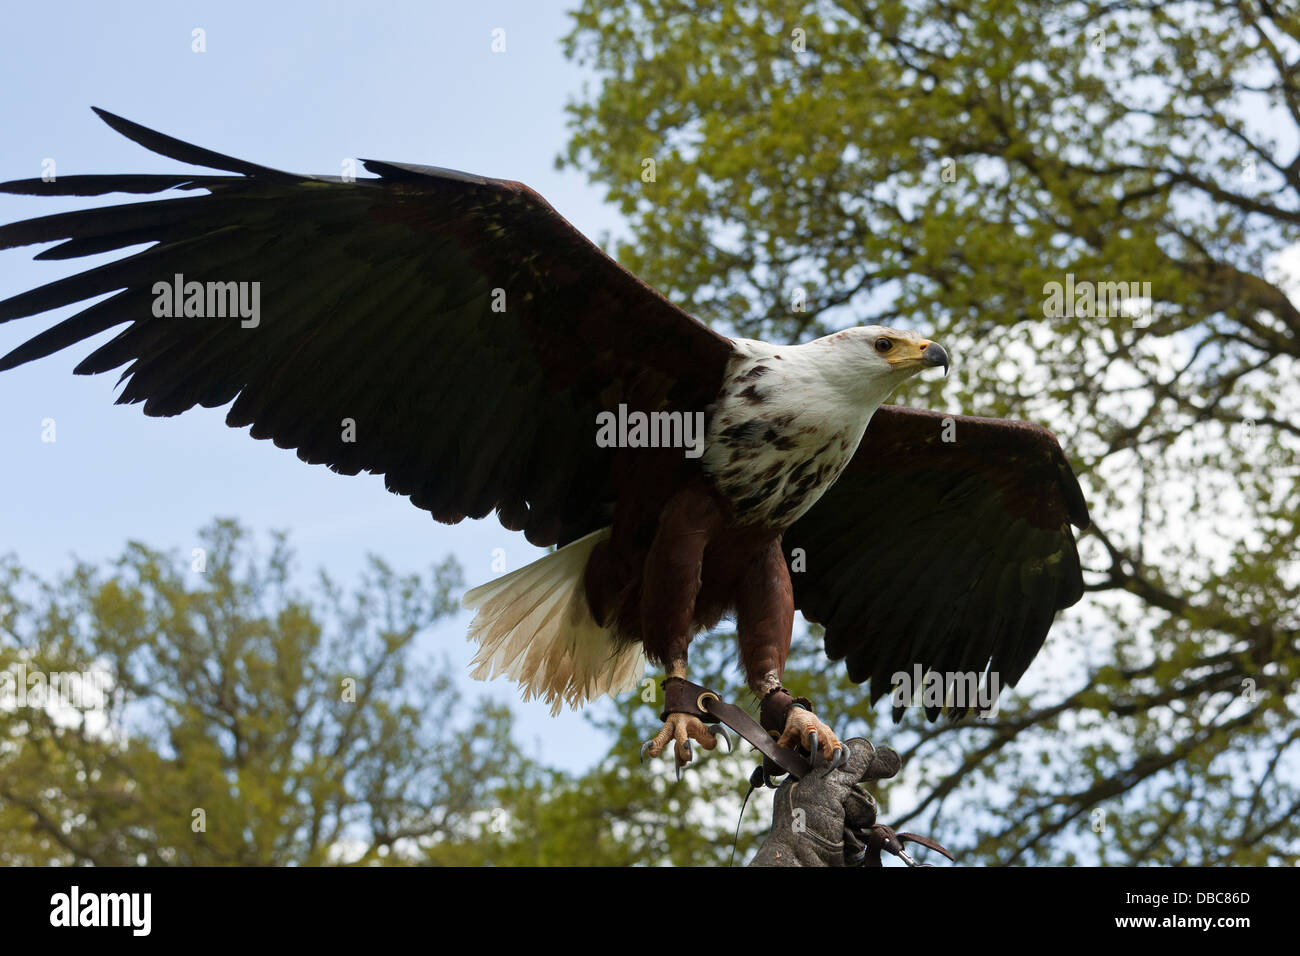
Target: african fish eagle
(478,343)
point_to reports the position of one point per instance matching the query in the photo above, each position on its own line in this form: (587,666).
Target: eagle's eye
(883,345)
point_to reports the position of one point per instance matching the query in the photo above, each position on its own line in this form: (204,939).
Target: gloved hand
(823,819)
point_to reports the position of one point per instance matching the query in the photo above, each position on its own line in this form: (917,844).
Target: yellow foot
(682,729)
(802,728)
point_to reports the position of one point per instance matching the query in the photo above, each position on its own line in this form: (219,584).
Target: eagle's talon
(680,730)
(803,728)
(837,759)
(721,734)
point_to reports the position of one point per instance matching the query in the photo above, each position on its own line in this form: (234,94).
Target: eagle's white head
(868,362)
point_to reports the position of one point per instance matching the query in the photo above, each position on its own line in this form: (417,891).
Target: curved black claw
(722,735)
(679,772)
(837,759)
(812,747)
(644,748)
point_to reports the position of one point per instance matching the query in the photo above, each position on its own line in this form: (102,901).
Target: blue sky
(300,87)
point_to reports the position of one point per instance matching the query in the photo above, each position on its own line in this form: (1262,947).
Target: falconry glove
(825,818)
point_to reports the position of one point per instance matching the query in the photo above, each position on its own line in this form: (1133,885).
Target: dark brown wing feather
(952,555)
(377,306)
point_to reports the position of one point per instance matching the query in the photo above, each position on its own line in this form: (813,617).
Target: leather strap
(775,709)
(788,760)
(684,697)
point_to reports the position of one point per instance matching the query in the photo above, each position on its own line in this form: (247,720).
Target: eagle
(456,335)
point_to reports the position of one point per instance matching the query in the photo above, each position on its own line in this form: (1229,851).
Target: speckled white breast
(780,434)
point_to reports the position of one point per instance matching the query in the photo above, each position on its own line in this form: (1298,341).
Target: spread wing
(468,333)
(955,555)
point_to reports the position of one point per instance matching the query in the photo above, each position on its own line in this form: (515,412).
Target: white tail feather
(534,626)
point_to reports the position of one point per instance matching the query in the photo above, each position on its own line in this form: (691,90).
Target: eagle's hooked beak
(911,354)
(932,353)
